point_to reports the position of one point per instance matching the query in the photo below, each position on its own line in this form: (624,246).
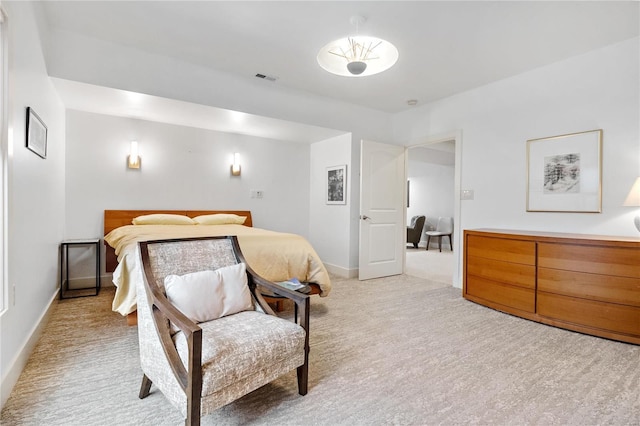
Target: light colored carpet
(430,264)
(393,351)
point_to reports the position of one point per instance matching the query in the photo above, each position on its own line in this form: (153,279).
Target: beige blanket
(275,256)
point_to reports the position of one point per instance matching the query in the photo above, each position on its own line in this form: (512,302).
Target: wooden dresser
(585,283)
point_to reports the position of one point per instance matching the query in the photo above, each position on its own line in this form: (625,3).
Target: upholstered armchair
(198,365)
(414,230)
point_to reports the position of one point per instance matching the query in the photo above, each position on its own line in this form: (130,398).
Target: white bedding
(275,256)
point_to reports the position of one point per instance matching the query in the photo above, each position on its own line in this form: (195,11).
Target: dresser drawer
(514,251)
(617,261)
(604,316)
(514,297)
(622,290)
(506,272)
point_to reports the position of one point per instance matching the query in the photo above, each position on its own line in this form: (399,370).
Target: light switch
(466,194)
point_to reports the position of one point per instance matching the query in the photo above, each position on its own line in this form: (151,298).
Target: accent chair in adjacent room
(444,228)
(414,230)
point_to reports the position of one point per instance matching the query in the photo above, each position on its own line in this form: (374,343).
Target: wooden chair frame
(190,378)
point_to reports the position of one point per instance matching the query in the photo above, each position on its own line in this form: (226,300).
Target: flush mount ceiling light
(357,56)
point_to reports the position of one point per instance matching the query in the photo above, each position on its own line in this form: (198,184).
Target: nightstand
(67,292)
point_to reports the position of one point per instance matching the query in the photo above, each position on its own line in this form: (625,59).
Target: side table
(278,300)
(70,293)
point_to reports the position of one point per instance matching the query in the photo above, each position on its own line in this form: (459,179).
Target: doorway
(433,182)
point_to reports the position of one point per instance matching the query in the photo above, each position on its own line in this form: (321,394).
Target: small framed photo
(36,133)
(564,173)
(337,185)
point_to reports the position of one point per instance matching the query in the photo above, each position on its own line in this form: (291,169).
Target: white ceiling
(445,47)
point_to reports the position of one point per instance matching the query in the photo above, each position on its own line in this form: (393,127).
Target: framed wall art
(337,185)
(564,173)
(36,133)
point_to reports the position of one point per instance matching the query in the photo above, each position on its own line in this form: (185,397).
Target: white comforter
(275,256)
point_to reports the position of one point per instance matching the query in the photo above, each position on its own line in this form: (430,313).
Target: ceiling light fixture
(357,56)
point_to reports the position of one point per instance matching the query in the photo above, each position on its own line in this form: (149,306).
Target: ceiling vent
(266,77)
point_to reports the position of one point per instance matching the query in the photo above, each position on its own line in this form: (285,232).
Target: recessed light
(412,102)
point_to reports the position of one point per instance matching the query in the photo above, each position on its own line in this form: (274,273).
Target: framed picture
(36,133)
(564,173)
(337,185)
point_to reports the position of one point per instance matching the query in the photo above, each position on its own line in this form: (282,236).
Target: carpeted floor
(430,264)
(393,351)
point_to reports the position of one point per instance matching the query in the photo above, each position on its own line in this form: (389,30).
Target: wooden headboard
(116,218)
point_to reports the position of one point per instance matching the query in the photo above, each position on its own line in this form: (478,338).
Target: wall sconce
(633,200)
(133,160)
(235,166)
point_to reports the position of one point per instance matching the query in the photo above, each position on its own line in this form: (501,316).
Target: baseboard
(341,271)
(82,283)
(11,377)
(106,280)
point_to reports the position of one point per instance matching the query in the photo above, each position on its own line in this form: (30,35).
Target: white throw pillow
(208,295)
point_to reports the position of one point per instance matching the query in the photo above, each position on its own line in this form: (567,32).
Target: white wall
(597,90)
(431,192)
(35,196)
(329,224)
(182,168)
(354,215)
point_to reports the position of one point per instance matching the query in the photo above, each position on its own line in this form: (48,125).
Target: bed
(274,255)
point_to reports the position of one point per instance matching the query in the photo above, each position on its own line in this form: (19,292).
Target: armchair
(204,366)
(414,230)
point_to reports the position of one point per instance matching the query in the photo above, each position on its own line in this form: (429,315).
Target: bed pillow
(163,219)
(219,219)
(208,295)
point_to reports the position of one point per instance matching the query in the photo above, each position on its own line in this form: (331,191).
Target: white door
(382,198)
